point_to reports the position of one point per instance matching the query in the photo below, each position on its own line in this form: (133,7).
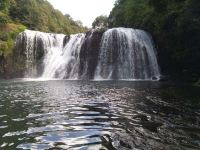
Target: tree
(79,22)
(175,26)
(100,22)
(4,19)
(4,5)
(40,15)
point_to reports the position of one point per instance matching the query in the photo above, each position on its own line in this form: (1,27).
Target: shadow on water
(98,115)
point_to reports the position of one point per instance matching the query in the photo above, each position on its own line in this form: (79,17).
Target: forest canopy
(18,15)
(39,15)
(100,22)
(175,26)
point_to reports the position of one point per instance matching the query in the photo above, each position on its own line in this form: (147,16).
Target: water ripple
(95,115)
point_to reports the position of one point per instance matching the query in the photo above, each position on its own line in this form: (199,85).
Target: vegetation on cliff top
(40,15)
(17,15)
(175,26)
(100,22)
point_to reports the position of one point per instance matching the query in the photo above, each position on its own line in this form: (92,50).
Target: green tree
(4,19)
(40,15)
(100,22)
(4,5)
(175,26)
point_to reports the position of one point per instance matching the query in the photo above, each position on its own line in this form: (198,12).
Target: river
(63,114)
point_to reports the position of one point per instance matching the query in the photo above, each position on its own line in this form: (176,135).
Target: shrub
(4,19)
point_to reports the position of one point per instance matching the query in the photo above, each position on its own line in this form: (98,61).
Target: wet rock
(151,126)
(107,142)
(89,54)
(66,40)
(197,83)
(122,141)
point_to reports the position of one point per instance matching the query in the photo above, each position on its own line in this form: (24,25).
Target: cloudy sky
(84,10)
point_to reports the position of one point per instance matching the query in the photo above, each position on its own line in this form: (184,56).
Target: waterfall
(118,53)
(63,62)
(34,45)
(127,54)
(60,54)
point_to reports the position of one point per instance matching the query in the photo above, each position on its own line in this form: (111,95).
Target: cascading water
(118,53)
(60,54)
(127,54)
(35,45)
(63,62)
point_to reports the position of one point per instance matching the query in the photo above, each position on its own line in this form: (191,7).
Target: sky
(84,10)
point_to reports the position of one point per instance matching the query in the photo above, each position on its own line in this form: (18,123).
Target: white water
(32,40)
(127,54)
(63,62)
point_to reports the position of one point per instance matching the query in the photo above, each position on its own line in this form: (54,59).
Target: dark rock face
(2,64)
(89,54)
(20,48)
(66,40)
(39,51)
(20,54)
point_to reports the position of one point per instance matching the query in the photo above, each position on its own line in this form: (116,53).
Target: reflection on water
(98,115)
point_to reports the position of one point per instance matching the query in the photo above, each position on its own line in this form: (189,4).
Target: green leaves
(174,24)
(40,15)
(4,5)
(4,19)
(100,22)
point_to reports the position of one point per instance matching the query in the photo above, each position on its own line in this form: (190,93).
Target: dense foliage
(9,29)
(175,26)
(18,15)
(100,22)
(40,15)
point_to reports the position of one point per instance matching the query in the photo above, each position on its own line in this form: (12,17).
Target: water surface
(98,115)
